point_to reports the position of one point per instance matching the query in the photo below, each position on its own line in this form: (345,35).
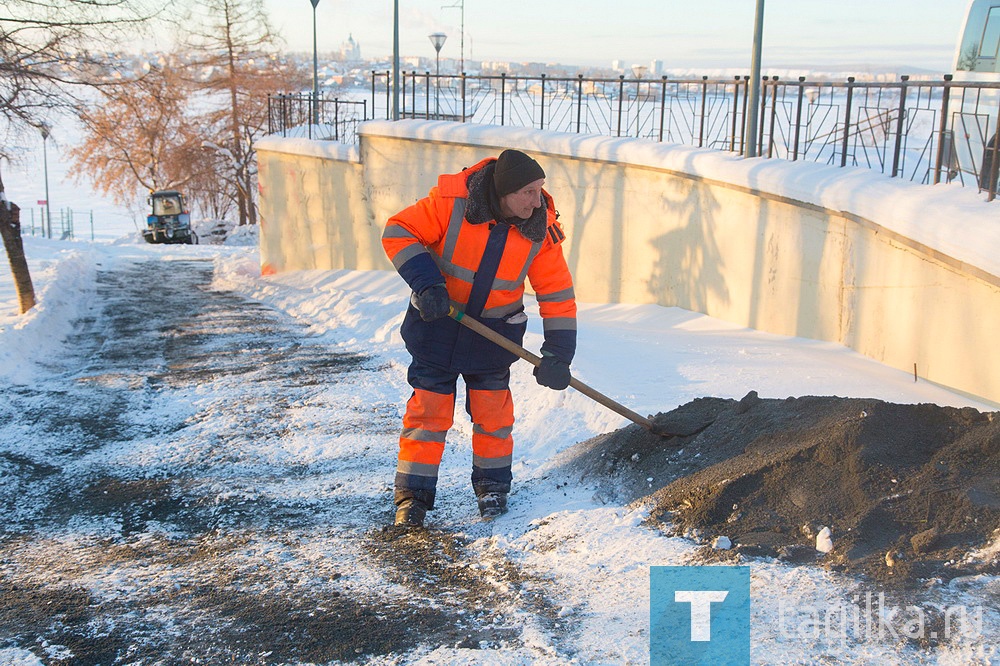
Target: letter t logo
(701,610)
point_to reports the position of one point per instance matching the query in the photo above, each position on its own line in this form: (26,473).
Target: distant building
(656,68)
(350,51)
(496,66)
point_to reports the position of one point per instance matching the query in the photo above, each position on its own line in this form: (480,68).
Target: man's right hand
(433,303)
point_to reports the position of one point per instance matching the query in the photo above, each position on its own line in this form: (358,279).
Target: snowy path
(148,515)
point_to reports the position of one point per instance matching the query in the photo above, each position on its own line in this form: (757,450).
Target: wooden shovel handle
(535,360)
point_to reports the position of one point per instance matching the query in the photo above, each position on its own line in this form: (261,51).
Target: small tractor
(169,221)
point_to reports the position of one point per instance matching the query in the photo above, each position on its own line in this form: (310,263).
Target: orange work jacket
(445,238)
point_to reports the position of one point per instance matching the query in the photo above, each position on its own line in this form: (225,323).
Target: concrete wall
(649,223)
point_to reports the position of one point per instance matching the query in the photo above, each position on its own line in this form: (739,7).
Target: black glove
(552,373)
(433,303)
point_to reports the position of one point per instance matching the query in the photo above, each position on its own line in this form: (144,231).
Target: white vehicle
(977,60)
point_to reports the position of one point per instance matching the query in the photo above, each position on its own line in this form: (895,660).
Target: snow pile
(246,235)
(64,283)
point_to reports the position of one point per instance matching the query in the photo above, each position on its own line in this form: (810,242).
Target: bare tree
(233,44)
(142,134)
(43,55)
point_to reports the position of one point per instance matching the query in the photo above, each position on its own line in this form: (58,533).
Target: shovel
(597,396)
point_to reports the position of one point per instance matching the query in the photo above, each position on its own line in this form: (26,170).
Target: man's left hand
(552,373)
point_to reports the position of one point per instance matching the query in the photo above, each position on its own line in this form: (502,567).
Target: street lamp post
(45,163)
(315,113)
(395,60)
(437,39)
(753,102)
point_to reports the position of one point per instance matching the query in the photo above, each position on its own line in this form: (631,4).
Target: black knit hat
(513,171)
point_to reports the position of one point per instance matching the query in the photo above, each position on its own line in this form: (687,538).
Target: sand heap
(907,491)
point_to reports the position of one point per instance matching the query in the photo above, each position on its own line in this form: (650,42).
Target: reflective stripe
(448,267)
(502,433)
(454,227)
(506,285)
(559,324)
(421,435)
(492,463)
(564,295)
(408,253)
(417,469)
(396,231)
(452,270)
(503,310)
(535,249)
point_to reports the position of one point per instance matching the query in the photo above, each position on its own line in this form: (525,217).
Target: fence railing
(63,227)
(924,131)
(299,115)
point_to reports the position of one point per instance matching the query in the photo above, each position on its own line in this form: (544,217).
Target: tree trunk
(10,229)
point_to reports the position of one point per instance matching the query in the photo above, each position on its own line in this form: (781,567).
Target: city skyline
(848,33)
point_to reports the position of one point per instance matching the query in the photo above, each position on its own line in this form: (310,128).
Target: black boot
(492,505)
(410,513)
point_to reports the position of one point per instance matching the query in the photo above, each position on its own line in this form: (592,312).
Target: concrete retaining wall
(748,241)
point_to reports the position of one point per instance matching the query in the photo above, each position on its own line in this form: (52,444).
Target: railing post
(899,126)
(388,95)
(463,97)
(942,127)
(373,90)
(704,100)
(336,119)
(427,102)
(736,103)
(995,164)
(313,112)
(541,120)
(503,90)
(663,105)
(847,120)
(413,94)
(402,95)
(761,115)
(285,107)
(579,101)
(746,99)
(774,115)
(638,108)
(798,119)
(621,96)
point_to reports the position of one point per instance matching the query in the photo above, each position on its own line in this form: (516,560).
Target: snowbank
(64,277)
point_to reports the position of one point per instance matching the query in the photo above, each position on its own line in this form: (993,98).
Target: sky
(719,33)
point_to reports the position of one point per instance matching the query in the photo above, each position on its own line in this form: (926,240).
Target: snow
(595,556)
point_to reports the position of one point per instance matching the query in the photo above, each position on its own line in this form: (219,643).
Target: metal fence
(63,227)
(923,131)
(299,115)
